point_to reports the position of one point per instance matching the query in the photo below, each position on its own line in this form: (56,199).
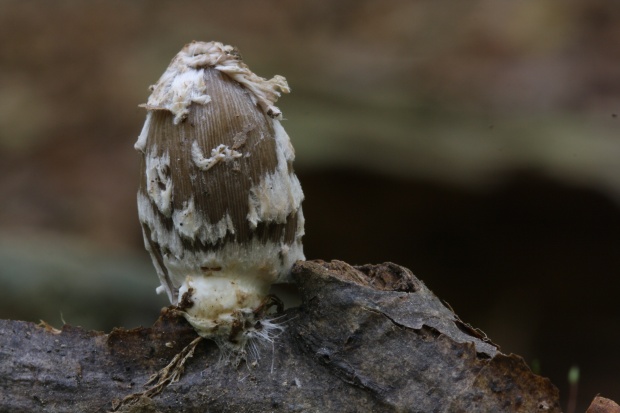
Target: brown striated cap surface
(218,193)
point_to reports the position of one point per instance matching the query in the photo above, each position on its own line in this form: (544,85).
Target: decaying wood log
(366,338)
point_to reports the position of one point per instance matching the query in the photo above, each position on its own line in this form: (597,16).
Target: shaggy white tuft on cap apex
(182,83)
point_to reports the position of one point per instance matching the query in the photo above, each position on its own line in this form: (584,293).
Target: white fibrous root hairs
(243,334)
(256,338)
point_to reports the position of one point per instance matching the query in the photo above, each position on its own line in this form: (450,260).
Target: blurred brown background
(476,143)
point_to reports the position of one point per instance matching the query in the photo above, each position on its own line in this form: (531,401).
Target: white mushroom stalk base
(230,310)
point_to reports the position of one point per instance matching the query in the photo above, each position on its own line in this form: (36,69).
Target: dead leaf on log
(367,338)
